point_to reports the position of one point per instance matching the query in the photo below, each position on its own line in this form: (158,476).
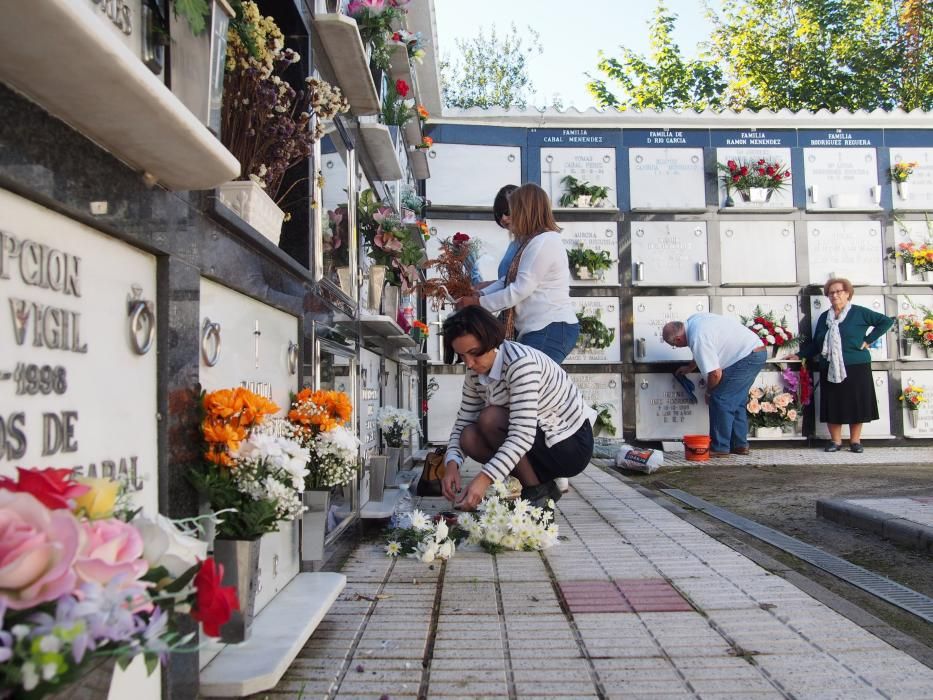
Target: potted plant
(396,425)
(89,583)
(320,422)
(254,479)
(912,399)
(771,410)
(375,19)
(579,193)
(588,264)
(754,181)
(594,334)
(266,123)
(899,174)
(774,334)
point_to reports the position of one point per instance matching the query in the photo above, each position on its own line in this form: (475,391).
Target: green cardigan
(853,332)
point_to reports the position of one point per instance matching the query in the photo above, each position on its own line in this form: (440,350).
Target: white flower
(30,677)
(446,549)
(420,521)
(770,339)
(428,552)
(165,545)
(393,549)
(441,531)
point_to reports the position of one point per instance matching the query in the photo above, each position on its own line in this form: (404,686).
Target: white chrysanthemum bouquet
(503,523)
(423,539)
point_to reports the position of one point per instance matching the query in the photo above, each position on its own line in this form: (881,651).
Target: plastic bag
(638,459)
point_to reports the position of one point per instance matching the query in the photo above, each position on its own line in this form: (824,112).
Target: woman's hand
(464,302)
(474,492)
(450,484)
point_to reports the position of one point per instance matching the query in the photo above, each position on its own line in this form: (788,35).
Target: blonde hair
(530,212)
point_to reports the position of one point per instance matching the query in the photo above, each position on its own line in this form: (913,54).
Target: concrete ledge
(889,526)
(279,632)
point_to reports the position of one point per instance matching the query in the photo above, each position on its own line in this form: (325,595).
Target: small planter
(584,273)
(240,560)
(903,191)
(773,432)
(912,417)
(393,458)
(250,202)
(314,524)
(756,195)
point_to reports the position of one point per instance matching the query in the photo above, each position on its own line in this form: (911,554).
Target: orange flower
(422,112)
(427,141)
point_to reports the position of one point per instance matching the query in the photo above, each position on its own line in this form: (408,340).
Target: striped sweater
(535,390)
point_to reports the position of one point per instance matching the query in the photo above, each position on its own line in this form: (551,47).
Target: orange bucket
(696,447)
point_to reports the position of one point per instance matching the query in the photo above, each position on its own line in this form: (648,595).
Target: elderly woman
(536,287)
(520,414)
(840,343)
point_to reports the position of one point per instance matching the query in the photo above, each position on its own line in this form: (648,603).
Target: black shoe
(832,447)
(856,447)
(538,495)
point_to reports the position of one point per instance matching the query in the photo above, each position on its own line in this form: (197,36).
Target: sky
(570,40)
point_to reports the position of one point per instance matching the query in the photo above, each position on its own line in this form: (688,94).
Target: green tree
(664,81)
(491,71)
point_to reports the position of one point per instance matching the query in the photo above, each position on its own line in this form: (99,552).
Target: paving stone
(470,688)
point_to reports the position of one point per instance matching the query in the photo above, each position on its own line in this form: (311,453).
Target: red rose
(214,604)
(396,37)
(53,488)
(732,165)
(762,161)
(461,237)
(744,170)
(401,87)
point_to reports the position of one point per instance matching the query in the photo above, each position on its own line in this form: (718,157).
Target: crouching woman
(520,414)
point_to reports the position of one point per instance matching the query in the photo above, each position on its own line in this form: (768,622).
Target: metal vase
(393,457)
(390,301)
(378,477)
(906,347)
(314,524)
(912,417)
(240,560)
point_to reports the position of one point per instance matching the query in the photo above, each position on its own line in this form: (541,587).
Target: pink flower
(756,393)
(37,551)
(792,414)
(387,241)
(753,407)
(112,548)
(768,407)
(783,400)
(382,214)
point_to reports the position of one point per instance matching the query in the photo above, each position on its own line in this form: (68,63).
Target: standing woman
(840,343)
(536,288)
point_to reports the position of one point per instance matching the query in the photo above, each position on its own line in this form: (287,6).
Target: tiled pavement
(873,456)
(634,602)
(918,509)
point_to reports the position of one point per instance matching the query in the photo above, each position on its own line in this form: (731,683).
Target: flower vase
(343,279)
(250,202)
(404,459)
(907,346)
(769,432)
(240,560)
(581,272)
(314,523)
(393,456)
(378,482)
(756,195)
(908,271)
(584,201)
(929,351)
(903,191)
(390,301)
(912,417)
(377,281)
(928,276)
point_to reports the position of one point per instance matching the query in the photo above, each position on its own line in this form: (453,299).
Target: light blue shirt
(507,258)
(718,342)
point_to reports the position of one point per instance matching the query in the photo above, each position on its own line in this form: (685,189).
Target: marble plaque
(842,179)
(443,406)
(663,411)
(649,316)
(783,308)
(778,199)
(594,165)
(851,249)
(880,428)
(912,305)
(924,415)
(606,310)
(670,254)
(770,241)
(918,194)
(918,233)
(75,392)
(454,169)
(602,390)
(254,345)
(875,302)
(667,178)
(598,236)
(493,242)
(370,385)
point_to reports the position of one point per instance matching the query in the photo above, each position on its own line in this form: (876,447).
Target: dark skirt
(851,401)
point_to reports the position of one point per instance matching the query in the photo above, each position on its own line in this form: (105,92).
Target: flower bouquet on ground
(504,522)
(761,175)
(773,333)
(772,407)
(453,265)
(396,424)
(320,422)
(422,539)
(251,475)
(79,583)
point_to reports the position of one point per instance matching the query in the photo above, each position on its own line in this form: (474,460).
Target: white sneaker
(563,484)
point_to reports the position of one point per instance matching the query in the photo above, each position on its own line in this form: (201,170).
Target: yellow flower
(100,500)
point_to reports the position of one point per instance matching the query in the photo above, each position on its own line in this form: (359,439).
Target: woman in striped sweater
(520,414)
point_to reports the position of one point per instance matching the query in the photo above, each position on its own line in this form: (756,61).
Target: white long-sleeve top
(540,293)
(535,390)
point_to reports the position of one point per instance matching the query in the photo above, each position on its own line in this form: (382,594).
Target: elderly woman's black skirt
(852,400)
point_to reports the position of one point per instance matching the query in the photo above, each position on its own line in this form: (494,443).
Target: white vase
(757,195)
(583,201)
(390,300)
(774,432)
(250,202)
(314,524)
(928,276)
(908,271)
(343,278)
(377,280)
(903,191)
(912,417)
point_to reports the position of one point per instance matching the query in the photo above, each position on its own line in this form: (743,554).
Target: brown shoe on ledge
(713,453)
(740,450)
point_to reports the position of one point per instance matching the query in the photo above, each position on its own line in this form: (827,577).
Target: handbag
(431,474)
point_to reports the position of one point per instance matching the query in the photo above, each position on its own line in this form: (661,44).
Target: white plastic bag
(638,459)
